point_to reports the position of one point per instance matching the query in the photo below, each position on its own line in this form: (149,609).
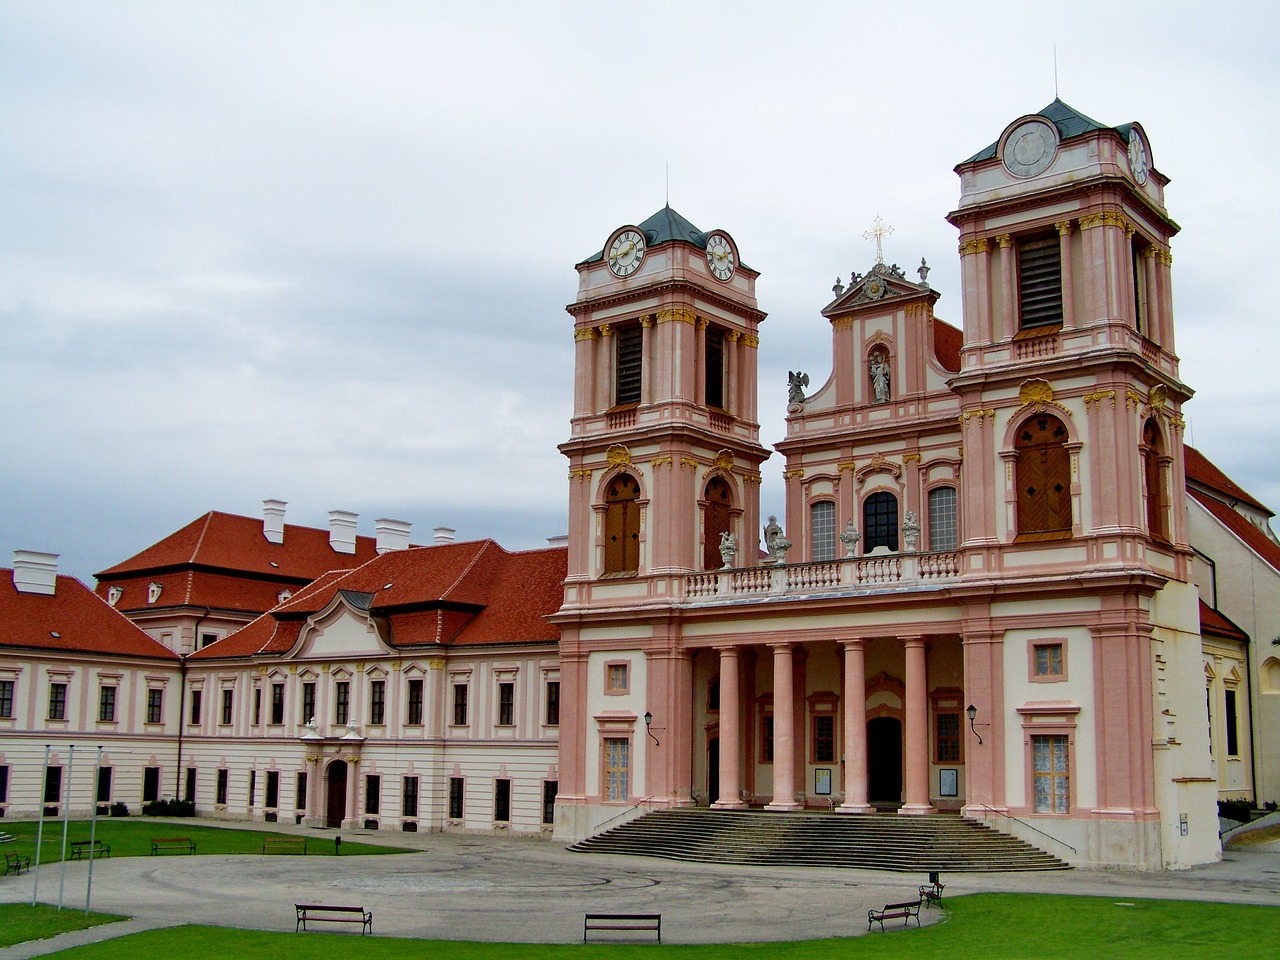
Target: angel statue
(796,382)
(775,542)
(728,549)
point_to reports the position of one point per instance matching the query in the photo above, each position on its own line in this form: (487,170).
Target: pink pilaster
(855,729)
(1007,323)
(916,734)
(730,733)
(784,736)
(1069,319)
(646,360)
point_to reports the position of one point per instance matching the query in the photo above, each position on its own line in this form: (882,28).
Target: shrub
(169,808)
(119,809)
(1238,810)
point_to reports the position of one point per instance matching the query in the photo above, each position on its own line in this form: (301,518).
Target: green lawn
(20,922)
(983,927)
(131,837)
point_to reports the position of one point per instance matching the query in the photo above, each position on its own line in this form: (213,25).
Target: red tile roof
(73,619)
(1200,470)
(1211,621)
(947,341)
(1253,538)
(452,594)
(223,561)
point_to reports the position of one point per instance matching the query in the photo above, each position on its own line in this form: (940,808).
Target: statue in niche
(880,376)
(796,382)
(775,542)
(728,549)
(910,532)
(850,538)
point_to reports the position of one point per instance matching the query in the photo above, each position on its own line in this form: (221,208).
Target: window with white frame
(943,526)
(1051,783)
(822,529)
(617,768)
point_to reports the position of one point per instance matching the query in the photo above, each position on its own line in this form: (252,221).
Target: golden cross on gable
(879,230)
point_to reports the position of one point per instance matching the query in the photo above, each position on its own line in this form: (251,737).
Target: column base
(729,805)
(915,809)
(855,807)
(783,806)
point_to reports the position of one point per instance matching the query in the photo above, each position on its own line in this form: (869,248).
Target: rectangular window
(150,784)
(616,679)
(300,792)
(822,527)
(714,355)
(342,702)
(1048,659)
(377,701)
(617,768)
(1049,757)
(414,715)
(155,705)
(553,703)
(824,738)
(190,795)
(228,702)
(1039,281)
(455,798)
(277,704)
(308,701)
(220,795)
(53,785)
(57,701)
(273,789)
(947,737)
(4,784)
(196,698)
(713,696)
(257,706)
(506,704)
(1233,727)
(459,704)
(766,738)
(106,704)
(253,788)
(104,785)
(502,801)
(409,806)
(943,527)
(372,794)
(549,790)
(207,638)
(630,348)
(6,699)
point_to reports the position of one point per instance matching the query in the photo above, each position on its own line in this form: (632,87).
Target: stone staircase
(803,839)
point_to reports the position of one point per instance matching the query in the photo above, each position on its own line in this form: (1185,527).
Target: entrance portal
(713,771)
(336,795)
(884,760)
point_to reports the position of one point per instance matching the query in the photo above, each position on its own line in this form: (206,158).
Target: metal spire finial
(879,230)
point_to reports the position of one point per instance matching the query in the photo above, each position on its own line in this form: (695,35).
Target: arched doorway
(884,760)
(713,770)
(336,794)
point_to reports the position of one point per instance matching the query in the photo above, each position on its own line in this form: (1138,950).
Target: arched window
(822,530)
(622,525)
(943,526)
(715,522)
(880,522)
(1044,477)
(1153,476)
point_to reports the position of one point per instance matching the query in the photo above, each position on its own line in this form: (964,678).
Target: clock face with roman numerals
(720,258)
(626,252)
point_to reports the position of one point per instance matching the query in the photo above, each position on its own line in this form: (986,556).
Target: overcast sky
(321,251)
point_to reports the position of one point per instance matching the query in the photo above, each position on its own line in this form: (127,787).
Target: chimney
(445,535)
(273,520)
(560,541)
(342,531)
(35,572)
(392,534)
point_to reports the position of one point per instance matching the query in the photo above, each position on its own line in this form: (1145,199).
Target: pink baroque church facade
(982,597)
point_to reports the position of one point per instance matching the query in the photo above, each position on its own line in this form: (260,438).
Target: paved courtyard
(505,889)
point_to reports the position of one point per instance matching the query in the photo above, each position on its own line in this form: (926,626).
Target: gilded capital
(1005,241)
(606,330)
(584,333)
(1064,228)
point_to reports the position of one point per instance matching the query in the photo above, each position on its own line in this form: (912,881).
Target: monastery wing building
(1003,586)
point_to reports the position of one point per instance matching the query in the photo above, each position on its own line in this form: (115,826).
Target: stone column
(855,729)
(1068,281)
(784,730)
(730,733)
(646,359)
(352,819)
(915,732)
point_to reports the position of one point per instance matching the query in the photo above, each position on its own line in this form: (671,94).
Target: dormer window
(283,595)
(153,592)
(114,594)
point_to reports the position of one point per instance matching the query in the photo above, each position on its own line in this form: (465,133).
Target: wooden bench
(622,921)
(931,893)
(285,845)
(176,844)
(13,863)
(893,911)
(95,848)
(328,913)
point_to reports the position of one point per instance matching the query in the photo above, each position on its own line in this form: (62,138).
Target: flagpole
(66,821)
(35,874)
(93,828)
